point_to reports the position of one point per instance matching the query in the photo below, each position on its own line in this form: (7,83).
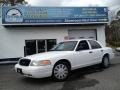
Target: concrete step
(8,62)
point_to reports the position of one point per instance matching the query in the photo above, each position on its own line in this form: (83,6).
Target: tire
(105,62)
(61,71)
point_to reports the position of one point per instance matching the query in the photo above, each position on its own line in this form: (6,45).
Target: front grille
(24,62)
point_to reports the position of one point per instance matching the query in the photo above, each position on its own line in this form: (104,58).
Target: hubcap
(60,71)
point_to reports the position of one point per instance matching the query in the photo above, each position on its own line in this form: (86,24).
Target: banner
(53,15)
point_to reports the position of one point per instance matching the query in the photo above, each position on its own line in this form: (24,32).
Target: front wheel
(61,71)
(105,62)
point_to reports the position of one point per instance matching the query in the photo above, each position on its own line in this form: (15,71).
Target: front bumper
(35,71)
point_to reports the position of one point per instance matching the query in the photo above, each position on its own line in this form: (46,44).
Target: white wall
(101,35)
(12,40)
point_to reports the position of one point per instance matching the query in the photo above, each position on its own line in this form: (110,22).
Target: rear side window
(94,44)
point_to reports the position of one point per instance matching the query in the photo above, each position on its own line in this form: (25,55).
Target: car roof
(79,39)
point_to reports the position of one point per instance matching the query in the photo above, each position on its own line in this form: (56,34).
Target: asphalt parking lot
(90,78)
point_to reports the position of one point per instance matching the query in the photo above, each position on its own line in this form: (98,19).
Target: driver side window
(83,45)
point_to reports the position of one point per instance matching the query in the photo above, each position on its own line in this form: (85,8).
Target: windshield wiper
(56,50)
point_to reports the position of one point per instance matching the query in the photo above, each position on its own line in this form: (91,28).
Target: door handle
(101,50)
(91,52)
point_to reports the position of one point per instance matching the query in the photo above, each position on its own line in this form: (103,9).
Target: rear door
(96,50)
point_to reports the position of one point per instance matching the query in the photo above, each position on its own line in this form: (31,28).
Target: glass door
(50,43)
(41,46)
(30,47)
(38,46)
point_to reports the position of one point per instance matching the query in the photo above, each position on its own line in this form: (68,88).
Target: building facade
(20,38)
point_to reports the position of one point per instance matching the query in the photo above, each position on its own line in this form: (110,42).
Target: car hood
(48,55)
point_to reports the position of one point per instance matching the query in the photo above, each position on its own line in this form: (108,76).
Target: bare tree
(113,31)
(13,2)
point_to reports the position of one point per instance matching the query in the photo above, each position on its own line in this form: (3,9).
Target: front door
(82,54)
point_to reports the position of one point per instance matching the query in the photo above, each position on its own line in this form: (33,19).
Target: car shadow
(80,73)
(37,81)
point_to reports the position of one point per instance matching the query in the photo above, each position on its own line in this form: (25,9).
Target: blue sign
(53,15)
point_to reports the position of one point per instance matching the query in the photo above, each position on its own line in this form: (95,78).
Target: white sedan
(63,58)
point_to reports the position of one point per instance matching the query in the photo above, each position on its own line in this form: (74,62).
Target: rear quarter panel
(108,50)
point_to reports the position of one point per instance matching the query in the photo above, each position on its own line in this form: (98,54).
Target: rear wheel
(105,62)
(61,71)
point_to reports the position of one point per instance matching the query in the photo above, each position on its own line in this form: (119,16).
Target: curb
(8,62)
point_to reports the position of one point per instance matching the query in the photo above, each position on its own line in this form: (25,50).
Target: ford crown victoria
(64,57)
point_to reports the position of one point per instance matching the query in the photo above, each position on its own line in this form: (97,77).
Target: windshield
(65,46)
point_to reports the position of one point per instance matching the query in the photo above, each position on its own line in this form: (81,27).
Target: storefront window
(38,46)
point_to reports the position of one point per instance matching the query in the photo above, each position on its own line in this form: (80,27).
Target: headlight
(40,63)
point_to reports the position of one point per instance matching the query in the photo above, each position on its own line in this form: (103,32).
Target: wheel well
(106,55)
(65,61)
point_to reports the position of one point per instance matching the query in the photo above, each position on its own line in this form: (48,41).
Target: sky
(110,3)
(113,5)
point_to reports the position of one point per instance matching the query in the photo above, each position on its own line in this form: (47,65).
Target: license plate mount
(19,70)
